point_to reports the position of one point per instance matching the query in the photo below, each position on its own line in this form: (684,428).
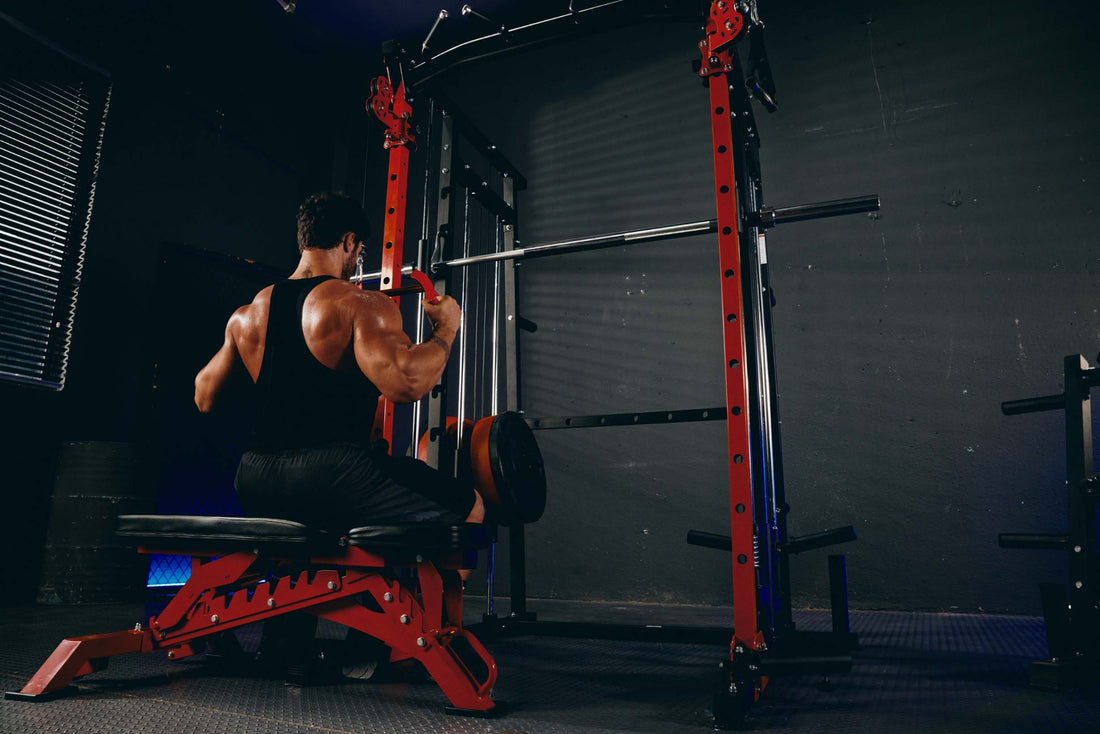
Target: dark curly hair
(324,218)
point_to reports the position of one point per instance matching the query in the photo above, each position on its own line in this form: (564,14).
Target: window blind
(53,113)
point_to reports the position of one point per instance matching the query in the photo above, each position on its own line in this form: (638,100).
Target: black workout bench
(245,570)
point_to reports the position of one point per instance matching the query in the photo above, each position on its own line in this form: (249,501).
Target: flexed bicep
(402,371)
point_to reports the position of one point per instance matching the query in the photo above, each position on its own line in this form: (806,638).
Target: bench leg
(79,656)
(417,629)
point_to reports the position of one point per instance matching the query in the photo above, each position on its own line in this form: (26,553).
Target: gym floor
(914,672)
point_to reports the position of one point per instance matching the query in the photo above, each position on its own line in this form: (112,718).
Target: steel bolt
(507,228)
(388,596)
(214,618)
(703,43)
(729,26)
(1079,584)
(421,642)
(721,4)
(331,585)
(404,619)
(1076,549)
(271,602)
(171,654)
(419,558)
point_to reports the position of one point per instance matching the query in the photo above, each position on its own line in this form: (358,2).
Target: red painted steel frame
(724,26)
(245,587)
(395,113)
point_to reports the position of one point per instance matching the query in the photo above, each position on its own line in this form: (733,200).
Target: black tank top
(301,403)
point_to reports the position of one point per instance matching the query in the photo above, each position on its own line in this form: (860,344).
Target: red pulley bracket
(391,108)
(725,24)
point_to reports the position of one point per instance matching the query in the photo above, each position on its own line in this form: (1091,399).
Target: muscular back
(329,317)
(345,328)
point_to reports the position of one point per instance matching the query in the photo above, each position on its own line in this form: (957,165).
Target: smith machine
(246,570)
(1071,612)
(765,641)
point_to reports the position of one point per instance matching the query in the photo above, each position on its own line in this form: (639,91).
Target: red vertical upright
(724,26)
(395,113)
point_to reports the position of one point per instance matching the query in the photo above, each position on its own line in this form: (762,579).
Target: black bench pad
(181,532)
(420,537)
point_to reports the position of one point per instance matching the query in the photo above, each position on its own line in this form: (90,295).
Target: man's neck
(312,265)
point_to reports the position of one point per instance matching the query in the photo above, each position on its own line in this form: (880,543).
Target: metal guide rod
(615,239)
(422,257)
(377,275)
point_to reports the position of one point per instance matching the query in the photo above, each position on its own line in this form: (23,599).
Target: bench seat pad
(217,533)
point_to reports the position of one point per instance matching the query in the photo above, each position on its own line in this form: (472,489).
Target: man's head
(328,220)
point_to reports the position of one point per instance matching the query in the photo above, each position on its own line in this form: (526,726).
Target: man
(320,350)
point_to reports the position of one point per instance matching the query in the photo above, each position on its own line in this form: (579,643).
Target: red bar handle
(430,294)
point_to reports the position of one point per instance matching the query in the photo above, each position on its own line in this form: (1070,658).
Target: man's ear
(348,241)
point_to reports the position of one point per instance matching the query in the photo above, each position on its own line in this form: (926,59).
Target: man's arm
(404,372)
(217,373)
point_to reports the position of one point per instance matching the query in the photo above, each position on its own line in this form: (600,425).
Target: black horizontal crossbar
(1033,541)
(628,419)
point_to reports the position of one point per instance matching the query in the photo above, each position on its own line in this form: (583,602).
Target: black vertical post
(838,594)
(773,574)
(444,200)
(1082,593)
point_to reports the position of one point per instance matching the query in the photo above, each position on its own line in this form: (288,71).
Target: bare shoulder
(367,308)
(249,317)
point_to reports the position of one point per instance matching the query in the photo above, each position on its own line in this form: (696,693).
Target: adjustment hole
(719,110)
(729,273)
(735,410)
(726,230)
(731,317)
(739,459)
(740,509)
(724,189)
(721,149)
(733,363)
(742,558)
(390,210)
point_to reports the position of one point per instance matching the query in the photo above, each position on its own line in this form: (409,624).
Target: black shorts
(342,486)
